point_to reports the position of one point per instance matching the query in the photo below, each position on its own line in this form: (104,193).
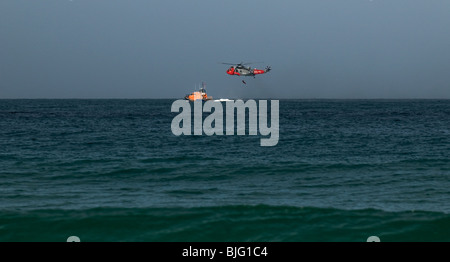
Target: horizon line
(104,98)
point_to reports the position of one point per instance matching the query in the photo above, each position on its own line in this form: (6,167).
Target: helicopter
(241,70)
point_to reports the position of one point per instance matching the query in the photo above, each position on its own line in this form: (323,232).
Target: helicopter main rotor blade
(241,63)
(251,63)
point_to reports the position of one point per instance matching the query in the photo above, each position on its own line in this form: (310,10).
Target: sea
(111,170)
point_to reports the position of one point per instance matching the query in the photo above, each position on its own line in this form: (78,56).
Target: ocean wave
(244,223)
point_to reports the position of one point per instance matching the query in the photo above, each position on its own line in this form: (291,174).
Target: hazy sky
(164,48)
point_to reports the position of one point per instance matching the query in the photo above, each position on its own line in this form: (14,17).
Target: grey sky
(162,49)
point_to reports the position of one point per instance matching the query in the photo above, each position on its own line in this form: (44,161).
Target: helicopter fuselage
(243,71)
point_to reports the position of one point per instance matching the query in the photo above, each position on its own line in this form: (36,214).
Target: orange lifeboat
(201,94)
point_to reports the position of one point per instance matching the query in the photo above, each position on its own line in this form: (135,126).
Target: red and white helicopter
(241,70)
